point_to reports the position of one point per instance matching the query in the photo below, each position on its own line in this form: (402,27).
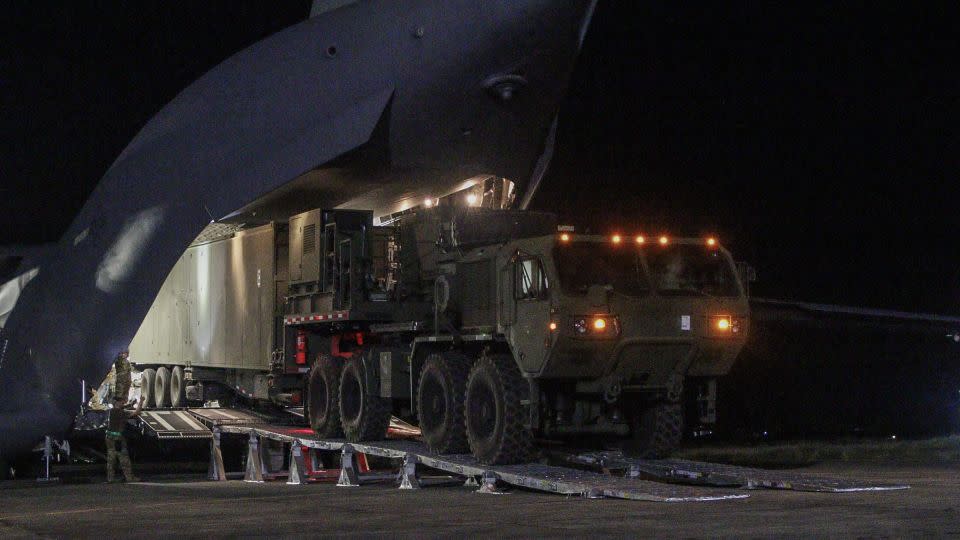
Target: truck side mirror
(748,274)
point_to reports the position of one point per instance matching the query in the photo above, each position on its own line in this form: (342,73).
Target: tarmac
(186,505)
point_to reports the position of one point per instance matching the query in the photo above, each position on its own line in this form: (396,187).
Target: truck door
(530,329)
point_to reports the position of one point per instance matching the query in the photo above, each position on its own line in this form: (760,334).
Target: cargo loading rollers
(296,454)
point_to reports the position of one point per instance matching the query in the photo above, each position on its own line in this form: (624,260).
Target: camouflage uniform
(123,457)
(115,426)
(121,382)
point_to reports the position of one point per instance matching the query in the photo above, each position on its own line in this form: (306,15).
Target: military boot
(127,467)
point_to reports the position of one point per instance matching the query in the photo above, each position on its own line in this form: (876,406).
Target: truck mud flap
(681,471)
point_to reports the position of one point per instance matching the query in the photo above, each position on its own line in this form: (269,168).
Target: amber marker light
(663,240)
(723,324)
(564,237)
(553,326)
(712,242)
(641,239)
(616,239)
(599,324)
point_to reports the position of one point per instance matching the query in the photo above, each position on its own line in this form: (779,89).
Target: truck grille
(651,363)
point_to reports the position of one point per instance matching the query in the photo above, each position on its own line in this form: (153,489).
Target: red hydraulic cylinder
(301,356)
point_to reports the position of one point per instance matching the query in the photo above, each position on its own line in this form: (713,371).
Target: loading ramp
(276,451)
(172,424)
(592,475)
(688,472)
(194,423)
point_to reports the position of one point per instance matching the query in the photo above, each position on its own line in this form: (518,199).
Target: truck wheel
(178,387)
(657,430)
(364,416)
(161,387)
(147,380)
(323,400)
(440,402)
(495,415)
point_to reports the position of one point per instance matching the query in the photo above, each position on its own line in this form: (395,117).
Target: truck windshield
(582,264)
(675,270)
(685,269)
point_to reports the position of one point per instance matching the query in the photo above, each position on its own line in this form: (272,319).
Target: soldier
(118,421)
(121,368)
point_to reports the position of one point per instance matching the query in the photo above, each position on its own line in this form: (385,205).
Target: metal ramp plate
(714,474)
(770,479)
(560,480)
(173,424)
(226,417)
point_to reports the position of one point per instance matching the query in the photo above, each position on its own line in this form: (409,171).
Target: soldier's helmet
(121,356)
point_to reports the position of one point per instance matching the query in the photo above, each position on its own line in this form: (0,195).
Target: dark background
(819,143)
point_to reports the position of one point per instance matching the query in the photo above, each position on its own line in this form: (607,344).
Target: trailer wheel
(440,402)
(161,387)
(364,416)
(323,400)
(657,430)
(147,380)
(178,387)
(495,414)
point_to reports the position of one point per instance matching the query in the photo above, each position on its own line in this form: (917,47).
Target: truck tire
(495,414)
(147,381)
(441,394)
(161,387)
(178,387)
(364,416)
(323,396)
(657,430)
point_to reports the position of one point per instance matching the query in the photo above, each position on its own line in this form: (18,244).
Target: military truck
(488,327)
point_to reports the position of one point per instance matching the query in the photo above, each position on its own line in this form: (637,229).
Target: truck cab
(610,327)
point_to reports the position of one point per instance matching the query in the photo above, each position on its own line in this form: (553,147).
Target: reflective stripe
(164,423)
(228,415)
(185,416)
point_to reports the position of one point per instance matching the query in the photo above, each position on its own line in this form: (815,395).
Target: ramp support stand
(216,470)
(408,473)
(47,458)
(488,484)
(348,468)
(593,493)
(298,469)
(254,471)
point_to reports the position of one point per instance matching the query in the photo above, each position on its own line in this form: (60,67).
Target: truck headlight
(596,326)
(726,325)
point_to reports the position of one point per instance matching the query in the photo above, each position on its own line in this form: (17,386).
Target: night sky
(820,146)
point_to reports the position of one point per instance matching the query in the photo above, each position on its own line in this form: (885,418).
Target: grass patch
(936,451)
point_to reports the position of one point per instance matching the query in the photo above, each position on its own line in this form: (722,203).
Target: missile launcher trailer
(487,327)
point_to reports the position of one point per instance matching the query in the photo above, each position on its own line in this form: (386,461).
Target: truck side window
(531,280)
